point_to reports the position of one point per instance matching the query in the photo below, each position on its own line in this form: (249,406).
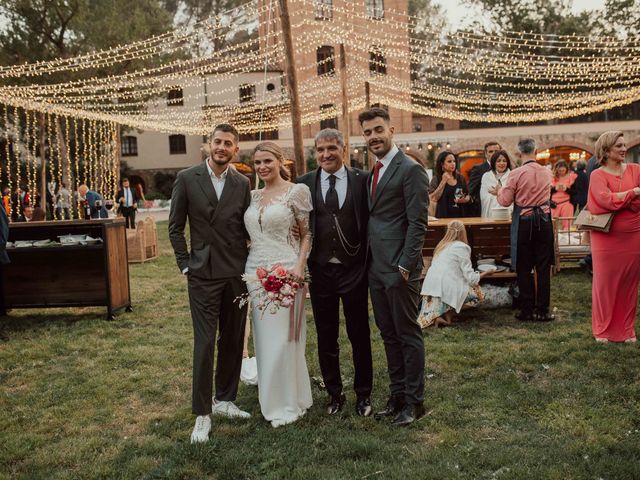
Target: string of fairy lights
(508,77)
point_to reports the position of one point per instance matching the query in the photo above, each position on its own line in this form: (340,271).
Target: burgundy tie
(374,183)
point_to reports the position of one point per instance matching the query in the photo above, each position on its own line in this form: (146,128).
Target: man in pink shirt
(529,189)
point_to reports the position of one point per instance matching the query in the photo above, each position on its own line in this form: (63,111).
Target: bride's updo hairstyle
(275,150)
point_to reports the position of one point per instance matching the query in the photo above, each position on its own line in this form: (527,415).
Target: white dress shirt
(128,198)
(386,160)
(341,184)
(217,181)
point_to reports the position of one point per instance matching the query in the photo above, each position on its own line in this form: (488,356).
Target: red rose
(272,284)
(280,271)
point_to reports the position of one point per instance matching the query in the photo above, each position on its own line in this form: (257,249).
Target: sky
(461,15)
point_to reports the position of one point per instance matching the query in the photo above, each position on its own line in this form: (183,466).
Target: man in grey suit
(213,196)
(398,205)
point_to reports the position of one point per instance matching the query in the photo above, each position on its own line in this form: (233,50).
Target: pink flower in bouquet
(261,273)
(287,302)
(286,289)
(279,271)
(272,284)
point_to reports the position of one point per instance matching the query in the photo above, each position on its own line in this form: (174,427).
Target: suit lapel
(388,173)
(205,184)
(230,185)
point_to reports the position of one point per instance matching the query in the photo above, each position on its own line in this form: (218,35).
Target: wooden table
(487,239)
(72,275)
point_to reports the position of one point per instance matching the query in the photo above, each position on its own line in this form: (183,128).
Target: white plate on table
(487,268)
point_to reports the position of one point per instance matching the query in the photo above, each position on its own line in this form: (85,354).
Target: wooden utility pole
(43,164)
(367,95)
(292,82)
(346,121)
(367,105)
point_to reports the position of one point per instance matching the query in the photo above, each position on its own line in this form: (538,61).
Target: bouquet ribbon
(296,314)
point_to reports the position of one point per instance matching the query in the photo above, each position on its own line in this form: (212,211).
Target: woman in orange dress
(561,185)
(615,188)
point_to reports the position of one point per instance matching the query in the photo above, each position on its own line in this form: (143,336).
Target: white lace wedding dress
(284,389)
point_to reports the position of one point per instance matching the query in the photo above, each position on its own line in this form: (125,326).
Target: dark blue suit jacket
(91,197)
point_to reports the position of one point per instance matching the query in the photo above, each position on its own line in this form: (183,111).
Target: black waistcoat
(326,240)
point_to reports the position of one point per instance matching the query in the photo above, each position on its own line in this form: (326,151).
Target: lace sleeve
(300,203)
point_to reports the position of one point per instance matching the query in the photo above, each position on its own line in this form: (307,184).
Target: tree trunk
(292,81)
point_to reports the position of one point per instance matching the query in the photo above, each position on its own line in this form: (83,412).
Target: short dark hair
(494,159)
(372,113)
(440,163)
(491,144)
(125,179)
(227,128)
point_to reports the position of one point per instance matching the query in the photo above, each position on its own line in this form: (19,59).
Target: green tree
(36,30)
(535,16)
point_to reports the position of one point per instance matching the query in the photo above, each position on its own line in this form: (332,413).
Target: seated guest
(448,189)
(84,194)
(501,166)
(451,283)
(27,214)
(561,190)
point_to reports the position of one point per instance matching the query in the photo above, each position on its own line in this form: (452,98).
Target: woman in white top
(451,283)
(501,166)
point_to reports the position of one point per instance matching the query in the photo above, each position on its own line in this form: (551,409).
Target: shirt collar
(389,156)
(211,174)
(341,173)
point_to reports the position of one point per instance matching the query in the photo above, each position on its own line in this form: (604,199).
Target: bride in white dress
(284,389)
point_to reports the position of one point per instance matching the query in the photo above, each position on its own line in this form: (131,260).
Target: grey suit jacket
(216,226)
(398,217)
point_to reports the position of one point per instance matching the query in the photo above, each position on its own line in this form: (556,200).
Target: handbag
(589,221)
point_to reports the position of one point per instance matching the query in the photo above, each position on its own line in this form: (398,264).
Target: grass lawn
(81,397)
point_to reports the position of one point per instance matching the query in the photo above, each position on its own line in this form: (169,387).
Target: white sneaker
(228,409)
(201,430)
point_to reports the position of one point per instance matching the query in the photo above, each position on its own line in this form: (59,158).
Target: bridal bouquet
(278,288)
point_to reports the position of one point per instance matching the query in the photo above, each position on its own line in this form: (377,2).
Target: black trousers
(214,314)
(535,250)
(129,214)
(332,283)
(395,306)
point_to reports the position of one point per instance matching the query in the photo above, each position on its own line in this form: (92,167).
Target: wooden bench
(571,245)
(142,242)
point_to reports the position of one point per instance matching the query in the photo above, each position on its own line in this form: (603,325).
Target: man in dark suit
(398,205)
(213,197)
(91,198)
(127,200)
(474,208)
(337,264)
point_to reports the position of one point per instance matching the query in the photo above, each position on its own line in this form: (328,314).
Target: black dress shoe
(525,316)
(336,404)
(409,414)
(393,407)
(363,407)
(545,317)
